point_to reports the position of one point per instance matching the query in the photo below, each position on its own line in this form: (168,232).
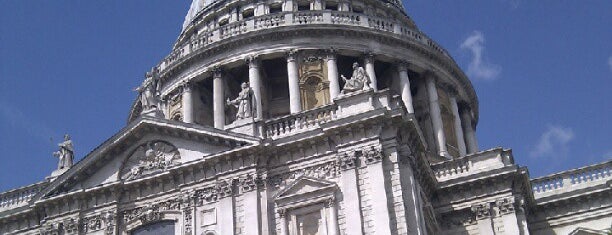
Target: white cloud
(479,68)
(610,62)
(553,142)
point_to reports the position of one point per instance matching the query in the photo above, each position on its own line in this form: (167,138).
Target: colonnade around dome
(300,82)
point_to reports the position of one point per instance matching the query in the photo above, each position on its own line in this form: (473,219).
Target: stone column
(333,216)
(350,192)
(295,105)
(255,82)
(187,99)
(468,131)
(218,99)
(369,68)
(405,87)
(436,116)
(332,75)
(458,128)
(380,209)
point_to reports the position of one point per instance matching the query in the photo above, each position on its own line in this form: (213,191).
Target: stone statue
(244,102)
(65,154)
(358,81)
(149,92)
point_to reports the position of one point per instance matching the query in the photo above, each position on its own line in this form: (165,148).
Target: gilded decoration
(149,158)
(314,84)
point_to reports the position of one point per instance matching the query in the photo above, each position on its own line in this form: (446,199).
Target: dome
(274,61)
(194,9)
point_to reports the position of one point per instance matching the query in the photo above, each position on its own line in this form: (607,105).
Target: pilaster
(373,157)
(350,191)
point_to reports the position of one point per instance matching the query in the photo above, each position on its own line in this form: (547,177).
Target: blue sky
(542,71)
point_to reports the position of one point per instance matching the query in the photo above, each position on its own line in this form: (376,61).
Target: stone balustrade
(572,180)
(343,107)
(19,197)
(472,164)
(290,18)
(300,121)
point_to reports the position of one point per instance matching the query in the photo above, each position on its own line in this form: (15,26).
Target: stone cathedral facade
(304,117)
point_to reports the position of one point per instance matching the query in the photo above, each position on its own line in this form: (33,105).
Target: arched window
(162,227)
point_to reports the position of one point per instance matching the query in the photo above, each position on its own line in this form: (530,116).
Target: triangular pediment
(305,187)
(587,231)
(144,147)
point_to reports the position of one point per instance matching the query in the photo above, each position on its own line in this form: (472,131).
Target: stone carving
(71,226)
(145,214)
(358,81)
(188,217)
(50,229)
(65,154)
(247,183)
(373,155)
(326,170)
(505,206)
(347,161)
(207,194)
(91,224)
(151,212)
(109,223)
(149,92)
(244,102)
(225,188)
(150,157)
(481,211)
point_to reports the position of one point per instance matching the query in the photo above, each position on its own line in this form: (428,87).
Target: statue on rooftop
(65,153)
(358,81)
(244,102)
(149,92)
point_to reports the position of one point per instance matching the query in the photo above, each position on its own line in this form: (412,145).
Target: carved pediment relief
(306,189)
(149,158)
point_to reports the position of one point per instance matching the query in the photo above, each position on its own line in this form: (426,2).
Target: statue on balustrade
(358,81)
(149,92)
(244,102)
(65,154)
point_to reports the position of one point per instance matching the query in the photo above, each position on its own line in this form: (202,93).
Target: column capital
(186,86)
(252,61)
(217,71)
(331,53)
(347,161)
(330,202)
(402,66)
(373,155)
(292,55)
(450,90)
(481,211)
(368,57)
(281,212)
(429,74)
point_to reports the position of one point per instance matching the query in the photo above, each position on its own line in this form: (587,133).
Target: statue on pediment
(65,154)
(244,102)
(359,80)
(149,92)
